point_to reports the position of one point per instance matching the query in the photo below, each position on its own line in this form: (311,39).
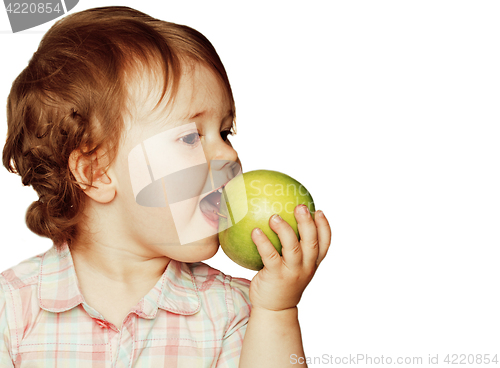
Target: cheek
(183,213)
(188,184)
(154,226)
(122,173)
(181,158)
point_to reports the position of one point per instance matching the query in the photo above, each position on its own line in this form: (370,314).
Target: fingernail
(320,213)
(257,231)
(303,209)
(276,218)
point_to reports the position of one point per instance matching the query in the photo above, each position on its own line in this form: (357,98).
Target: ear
(89,173)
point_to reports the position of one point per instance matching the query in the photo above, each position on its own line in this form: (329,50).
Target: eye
(190,139)
(225,133)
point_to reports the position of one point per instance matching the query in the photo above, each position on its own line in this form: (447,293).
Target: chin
(208,255)
(199,250)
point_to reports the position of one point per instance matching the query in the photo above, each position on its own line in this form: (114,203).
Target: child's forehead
(199,94)
(198,88)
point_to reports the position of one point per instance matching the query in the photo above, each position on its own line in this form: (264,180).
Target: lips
(209,206)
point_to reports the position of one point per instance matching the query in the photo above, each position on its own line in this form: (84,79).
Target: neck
(117,264)
(108,253)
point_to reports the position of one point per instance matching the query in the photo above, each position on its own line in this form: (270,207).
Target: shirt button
(102,324)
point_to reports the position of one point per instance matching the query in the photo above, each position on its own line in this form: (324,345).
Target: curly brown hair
(73,96)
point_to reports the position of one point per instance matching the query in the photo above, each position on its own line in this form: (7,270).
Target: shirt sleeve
(239,308)
(5,357)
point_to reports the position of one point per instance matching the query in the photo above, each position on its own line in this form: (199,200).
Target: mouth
(209,206)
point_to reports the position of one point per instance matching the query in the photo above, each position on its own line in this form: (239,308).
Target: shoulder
(207,278)
(22,275)
(18,300)
(19,288)
(217,287)
(222,292)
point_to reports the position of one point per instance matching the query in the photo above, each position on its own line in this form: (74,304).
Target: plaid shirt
(195,316)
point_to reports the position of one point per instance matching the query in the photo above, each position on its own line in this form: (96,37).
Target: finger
(270,256)
(324,235)
(291,249)
(308,235)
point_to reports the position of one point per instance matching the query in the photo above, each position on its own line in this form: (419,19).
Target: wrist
(287,312)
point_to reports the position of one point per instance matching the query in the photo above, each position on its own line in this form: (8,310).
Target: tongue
(210,204)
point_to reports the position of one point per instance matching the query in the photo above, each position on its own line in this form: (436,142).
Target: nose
(224,161)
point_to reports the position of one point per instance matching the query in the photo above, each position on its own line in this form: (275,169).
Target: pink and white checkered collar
(58,290)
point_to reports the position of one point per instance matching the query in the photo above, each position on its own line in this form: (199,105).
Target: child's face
(189,156)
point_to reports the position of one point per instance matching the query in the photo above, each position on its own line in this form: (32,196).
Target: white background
(388,112)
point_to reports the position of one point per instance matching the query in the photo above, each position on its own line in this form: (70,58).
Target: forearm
(271,340)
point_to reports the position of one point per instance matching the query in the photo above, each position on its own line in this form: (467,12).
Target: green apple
(247,202)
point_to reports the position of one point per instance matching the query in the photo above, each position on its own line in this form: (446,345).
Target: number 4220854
(27,8)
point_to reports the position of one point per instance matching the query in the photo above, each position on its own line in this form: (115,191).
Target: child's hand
(279,285)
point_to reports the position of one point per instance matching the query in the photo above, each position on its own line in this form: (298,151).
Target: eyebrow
(196,115)
(229,113)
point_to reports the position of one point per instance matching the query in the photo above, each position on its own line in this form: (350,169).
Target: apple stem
(220,214)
